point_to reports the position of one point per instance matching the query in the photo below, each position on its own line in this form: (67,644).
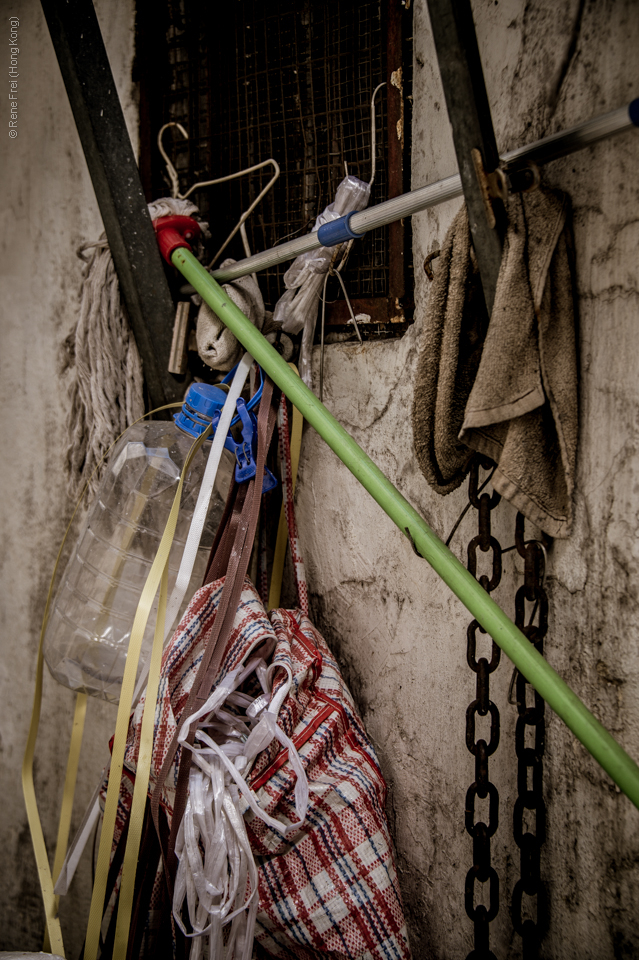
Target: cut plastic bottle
(89,627)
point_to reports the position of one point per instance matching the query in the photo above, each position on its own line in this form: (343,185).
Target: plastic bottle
(90,622)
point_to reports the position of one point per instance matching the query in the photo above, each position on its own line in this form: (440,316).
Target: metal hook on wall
(334,271)
(373,136)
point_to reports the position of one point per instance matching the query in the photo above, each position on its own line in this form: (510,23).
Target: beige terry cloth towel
(522,407)
(450,350)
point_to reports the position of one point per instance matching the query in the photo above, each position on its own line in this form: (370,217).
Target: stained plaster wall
(48,208)
(398,631)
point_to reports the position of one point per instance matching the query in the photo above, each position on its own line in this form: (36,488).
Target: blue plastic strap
(337,231)
(255,399)
(633,111)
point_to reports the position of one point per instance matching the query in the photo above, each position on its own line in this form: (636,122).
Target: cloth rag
(216,345)
(508,388)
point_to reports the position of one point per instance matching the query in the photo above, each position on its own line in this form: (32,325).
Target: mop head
(106,388)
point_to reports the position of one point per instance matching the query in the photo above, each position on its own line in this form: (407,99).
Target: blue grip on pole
(633,111)
(337,231)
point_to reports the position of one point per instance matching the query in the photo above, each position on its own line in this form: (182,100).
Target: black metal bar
(469,113)
(150,75)
(92,93)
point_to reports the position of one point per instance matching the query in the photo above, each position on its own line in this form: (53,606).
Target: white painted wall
(48,209)
(399,633)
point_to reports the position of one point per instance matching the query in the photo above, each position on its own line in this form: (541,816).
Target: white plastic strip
(76,849)
(183,579)
(217,873)
(206,490)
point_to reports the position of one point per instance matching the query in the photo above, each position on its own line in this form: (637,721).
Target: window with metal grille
(254,79)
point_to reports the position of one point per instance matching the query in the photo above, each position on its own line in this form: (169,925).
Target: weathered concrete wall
(400,634)
(48,209)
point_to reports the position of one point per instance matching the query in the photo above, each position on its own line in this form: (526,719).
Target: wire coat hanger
(175,186)
(337,271)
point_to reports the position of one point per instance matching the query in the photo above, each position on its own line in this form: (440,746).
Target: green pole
(557,694)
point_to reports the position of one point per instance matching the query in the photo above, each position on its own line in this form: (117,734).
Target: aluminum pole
(542,151)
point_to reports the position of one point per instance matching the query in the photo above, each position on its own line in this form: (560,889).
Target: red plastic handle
(173,232)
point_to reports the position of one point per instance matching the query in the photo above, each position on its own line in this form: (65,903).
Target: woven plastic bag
(327,887)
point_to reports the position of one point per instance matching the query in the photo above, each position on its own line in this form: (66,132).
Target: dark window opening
(254,79)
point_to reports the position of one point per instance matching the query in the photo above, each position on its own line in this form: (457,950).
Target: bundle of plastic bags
(297,308)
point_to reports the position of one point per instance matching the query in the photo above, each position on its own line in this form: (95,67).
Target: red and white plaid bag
(328,887)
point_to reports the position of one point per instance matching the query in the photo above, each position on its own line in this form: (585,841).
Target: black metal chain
(482,870)
(530,758)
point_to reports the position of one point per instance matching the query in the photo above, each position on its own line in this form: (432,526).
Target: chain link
(531,717)
(482,870)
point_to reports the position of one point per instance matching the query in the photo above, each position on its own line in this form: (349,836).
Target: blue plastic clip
(337,231)
(245,451)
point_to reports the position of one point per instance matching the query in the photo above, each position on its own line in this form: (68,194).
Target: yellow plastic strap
(138,806)
(54,932)
(124,709)
(275,590)
(53,935)
(64,826)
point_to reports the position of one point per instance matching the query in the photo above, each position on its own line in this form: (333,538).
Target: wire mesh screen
(287,80)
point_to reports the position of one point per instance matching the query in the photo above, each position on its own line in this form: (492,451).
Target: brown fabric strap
(236,572)
(219,562)
(239,558)
(234,490)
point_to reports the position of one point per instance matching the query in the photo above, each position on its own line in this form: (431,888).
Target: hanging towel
(512,394)
(449,355)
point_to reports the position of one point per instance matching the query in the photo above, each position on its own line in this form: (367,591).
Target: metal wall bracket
(469,113)
(493,187)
